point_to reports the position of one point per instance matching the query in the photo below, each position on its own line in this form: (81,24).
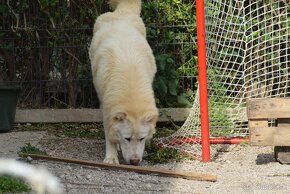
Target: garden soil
(239,169)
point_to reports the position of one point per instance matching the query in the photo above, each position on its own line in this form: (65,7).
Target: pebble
(29,158)
(89,177)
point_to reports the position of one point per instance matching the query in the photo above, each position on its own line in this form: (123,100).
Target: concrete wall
(86,115)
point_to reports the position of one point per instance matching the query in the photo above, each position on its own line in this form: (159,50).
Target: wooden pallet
(260,112)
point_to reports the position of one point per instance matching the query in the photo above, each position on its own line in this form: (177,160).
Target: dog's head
(131,132)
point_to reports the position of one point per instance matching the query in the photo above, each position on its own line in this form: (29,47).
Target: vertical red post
(202,77)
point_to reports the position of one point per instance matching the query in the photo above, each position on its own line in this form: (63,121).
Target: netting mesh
(248,56)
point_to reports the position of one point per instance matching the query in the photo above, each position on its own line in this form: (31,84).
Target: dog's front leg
(111,156)
(111,153)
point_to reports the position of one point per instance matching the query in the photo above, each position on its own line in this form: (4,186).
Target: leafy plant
(84,133)
(166,83)
(47,3)
(28,148)
(10,184)
(173,29)
(157,155)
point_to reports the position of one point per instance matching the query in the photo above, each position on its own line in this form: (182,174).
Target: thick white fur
(40,179)
(123,69)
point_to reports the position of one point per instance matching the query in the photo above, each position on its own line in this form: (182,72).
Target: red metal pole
(202,77)
(216,140)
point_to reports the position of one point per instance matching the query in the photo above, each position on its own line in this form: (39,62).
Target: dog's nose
(134,162)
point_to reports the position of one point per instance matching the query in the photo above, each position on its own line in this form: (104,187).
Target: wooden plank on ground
(139,169)
(87,115)
(276,136)
(268,108)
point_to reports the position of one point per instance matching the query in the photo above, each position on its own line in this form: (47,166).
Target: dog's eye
(128,139)
(141,139)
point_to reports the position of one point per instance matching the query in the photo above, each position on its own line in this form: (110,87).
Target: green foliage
(28,148)
(10,184)
(85,133)
(165,131)
(82,130)
(221,123)
(166,83)
(47,3)
(157,155)
(164,155)
(173,29)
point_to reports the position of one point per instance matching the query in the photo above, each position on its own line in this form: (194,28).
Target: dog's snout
(134,162)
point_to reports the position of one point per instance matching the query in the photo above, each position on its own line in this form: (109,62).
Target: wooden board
(259,112)
(139,169)
(255,139)
(268,108)
(277,136)
(258,123)
(282,154)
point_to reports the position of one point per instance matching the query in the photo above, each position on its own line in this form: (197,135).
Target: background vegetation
(10,184)
(44,44)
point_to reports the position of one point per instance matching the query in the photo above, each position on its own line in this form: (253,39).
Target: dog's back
(126,6)
(123,68)
(119,47)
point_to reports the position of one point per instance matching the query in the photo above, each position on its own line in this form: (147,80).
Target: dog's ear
(120,116)
(150,118)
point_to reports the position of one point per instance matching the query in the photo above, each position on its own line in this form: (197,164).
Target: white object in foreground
(40,179)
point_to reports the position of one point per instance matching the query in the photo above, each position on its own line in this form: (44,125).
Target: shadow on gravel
(219,150)
(265,159)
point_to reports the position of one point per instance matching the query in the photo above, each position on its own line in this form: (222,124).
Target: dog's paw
(111,160)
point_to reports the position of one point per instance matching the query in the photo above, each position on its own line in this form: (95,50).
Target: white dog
(40,179)
(123,68)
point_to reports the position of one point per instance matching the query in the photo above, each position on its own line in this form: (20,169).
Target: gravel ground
(239,169)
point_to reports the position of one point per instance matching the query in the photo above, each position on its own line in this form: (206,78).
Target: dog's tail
(42,181)
(126,6)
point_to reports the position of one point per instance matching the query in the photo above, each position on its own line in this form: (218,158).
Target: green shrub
(10,184)
(28,148)
(171,34)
